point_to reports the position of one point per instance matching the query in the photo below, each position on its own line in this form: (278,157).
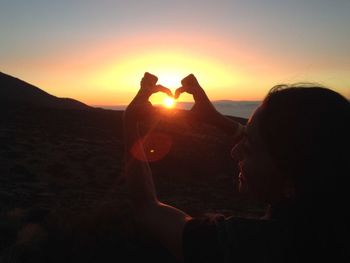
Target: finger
(146,92)
(148,80)
(160,88)
(179,91)
(189,81)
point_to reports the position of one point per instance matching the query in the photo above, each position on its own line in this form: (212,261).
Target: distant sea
(242,109)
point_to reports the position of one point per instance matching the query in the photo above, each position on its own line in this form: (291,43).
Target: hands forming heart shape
(141,109)
(189,84)
(140,106)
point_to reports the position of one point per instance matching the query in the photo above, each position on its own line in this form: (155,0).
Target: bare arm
(162,222)
(204,110)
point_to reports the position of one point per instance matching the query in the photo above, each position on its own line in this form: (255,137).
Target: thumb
(190,81)
(149,79)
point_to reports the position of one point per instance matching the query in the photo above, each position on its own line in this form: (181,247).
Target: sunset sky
(97,51)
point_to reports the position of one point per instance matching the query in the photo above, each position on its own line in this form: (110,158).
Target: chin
(243,188)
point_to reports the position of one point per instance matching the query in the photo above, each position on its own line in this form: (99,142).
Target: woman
(292,155)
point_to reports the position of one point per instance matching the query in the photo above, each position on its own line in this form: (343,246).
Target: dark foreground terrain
(62,192)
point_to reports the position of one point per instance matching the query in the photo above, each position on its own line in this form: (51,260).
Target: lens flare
(153,147)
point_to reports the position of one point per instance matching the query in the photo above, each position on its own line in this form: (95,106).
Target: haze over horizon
(97,52)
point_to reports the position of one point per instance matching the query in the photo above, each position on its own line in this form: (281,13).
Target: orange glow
(109,72)
(123,77)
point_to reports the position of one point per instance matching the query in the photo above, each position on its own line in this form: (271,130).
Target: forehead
(252,127)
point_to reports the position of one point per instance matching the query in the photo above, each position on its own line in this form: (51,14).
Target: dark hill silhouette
(15,92)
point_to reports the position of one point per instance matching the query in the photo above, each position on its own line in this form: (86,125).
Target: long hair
(306,129)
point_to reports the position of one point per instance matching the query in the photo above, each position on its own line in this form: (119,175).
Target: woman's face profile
(258,173)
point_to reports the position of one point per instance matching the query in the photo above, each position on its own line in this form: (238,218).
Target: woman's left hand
(140,107)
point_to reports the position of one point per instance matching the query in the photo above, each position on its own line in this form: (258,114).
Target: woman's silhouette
(292,154)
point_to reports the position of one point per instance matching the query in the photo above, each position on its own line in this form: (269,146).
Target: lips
(240,176)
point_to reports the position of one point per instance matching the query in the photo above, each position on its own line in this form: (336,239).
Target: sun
(168,102)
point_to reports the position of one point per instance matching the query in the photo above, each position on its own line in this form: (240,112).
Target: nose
(236,152)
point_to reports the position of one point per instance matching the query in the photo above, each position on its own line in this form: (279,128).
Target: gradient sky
(97,51)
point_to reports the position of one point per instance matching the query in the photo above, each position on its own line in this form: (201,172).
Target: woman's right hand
(202,106)
(204,110)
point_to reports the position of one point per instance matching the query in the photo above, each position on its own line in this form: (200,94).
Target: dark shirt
(238,240)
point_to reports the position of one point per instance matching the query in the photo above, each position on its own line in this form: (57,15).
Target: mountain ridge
(15,92)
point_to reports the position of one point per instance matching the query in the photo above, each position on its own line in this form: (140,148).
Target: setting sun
(168,102)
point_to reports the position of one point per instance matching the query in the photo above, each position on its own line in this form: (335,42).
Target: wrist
(201,96)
